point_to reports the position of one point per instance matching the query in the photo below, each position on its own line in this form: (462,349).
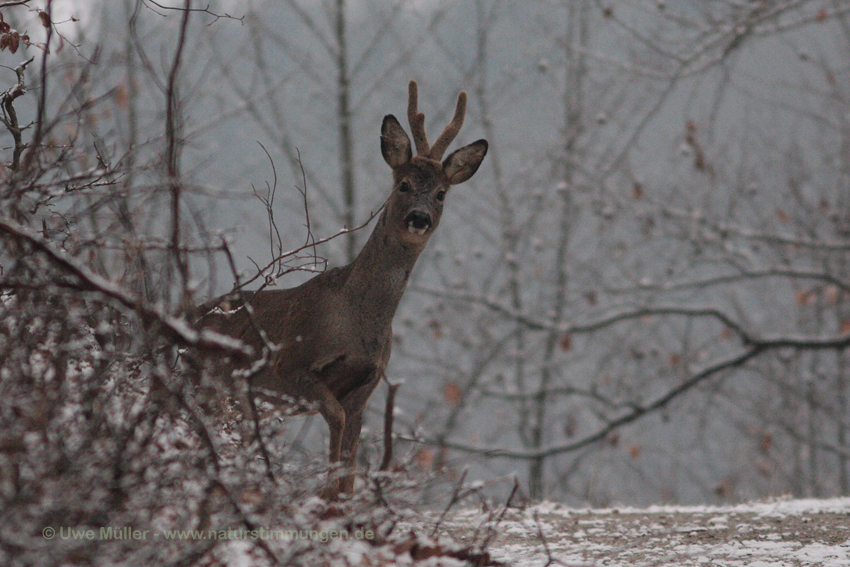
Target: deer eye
(441,195)
(403,187)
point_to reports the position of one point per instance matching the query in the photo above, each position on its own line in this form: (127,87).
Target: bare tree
(647,268)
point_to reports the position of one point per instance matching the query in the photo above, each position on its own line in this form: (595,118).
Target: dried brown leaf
(571,425)
(453,394)
(121,97)
(436,328)
(832,294)
(766,443)
(424,458)
(637,191)
(804,297)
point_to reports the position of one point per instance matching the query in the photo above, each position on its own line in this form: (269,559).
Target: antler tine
(450,132)
(417,121)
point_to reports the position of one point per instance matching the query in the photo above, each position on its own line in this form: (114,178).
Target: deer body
(334,332)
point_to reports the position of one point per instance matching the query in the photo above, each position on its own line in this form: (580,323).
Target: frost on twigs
(107,434)
(121,442)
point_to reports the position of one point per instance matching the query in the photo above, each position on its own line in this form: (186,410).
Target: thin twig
(268,203)
(388,423)
(452,501)
(491,529)
(261,272)
(549,559)
(11,3)
(310,239)
(216,17)
(249,524)
(268,350)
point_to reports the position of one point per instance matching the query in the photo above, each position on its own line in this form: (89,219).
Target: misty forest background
(643,296)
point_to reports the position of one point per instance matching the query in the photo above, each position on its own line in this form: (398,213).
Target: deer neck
(380,272)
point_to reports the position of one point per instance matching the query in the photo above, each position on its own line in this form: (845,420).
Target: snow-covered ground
(778,533)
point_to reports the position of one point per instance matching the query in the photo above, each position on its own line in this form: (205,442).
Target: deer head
(421,182)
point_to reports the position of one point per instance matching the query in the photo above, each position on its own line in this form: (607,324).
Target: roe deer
(334,332)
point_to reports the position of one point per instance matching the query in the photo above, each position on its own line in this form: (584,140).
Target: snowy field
(778,533)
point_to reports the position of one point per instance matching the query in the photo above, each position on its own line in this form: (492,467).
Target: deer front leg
(354,405)
(311,389)
(334,415)
(350,442)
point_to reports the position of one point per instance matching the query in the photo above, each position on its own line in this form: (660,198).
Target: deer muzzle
(418,222)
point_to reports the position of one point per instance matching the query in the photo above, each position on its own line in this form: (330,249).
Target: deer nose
(418,222)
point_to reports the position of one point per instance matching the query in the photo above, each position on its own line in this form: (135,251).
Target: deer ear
(395,145)
(463,163)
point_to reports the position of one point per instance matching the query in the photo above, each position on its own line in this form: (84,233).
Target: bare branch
(10,116)
(177,328)
(216,16)
(263,272)
(635,414)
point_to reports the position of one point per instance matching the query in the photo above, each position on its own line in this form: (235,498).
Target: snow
(782,532)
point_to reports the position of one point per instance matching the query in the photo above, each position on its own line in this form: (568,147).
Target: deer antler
(417,121)
(450,131)
(417,125)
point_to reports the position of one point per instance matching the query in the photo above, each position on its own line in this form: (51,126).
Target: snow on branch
(178,328)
